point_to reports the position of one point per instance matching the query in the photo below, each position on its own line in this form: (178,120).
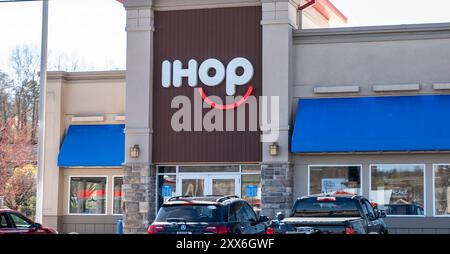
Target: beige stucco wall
(77,94)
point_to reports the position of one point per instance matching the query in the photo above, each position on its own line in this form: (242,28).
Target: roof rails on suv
(221,199)
(179,198)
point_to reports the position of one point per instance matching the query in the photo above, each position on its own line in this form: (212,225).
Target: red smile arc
(227,106)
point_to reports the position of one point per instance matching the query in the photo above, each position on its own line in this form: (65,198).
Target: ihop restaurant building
(365,110)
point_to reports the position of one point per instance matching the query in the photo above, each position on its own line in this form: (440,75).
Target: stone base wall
(138,197)
(277,181)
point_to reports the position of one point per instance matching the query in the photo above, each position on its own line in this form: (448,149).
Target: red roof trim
(327,9)
(120,1)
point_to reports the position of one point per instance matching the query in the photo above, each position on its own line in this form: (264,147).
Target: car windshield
(326,207)
(189,213)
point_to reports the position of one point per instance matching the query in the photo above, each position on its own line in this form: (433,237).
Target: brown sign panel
(223,34)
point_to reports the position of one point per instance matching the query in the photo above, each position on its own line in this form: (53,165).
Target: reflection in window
(251,190)
(166,188)
(398,189)
(325,179)
(88,195)
(117,195)
(20,222)
(442,189)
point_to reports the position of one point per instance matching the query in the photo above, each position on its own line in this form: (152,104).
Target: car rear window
(326,207)
(190,213)
(403,209)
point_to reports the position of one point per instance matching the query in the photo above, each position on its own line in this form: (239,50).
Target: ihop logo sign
(211,72)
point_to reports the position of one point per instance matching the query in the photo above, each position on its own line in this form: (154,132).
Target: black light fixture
(273,149)
(134,151)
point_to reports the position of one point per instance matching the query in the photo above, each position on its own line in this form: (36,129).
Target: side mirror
(263,218)
(279,216)
(381,214)
(36,226)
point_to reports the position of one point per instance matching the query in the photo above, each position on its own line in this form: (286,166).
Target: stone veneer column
(279,18)
(139,197)
(277,181)
(139,174)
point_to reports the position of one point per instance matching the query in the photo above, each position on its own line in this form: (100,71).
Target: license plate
(305,230)
(184,233)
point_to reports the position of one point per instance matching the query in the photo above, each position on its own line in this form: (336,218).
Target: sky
(93,31)
(393,12)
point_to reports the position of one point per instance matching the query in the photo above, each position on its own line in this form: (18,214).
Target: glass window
(236,212)
(167,169)
(223,187)
(87,195)
(251,190)
(166,188)
(20,221)
(326,207)
(442,189)
(190,213)
(3,221)
(249,214)
(325,179)
(364,209)
(251,169)
(200,169)
(398,189)
(117,195)
(369,208)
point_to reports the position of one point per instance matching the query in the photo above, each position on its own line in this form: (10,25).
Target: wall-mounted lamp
(134,151)
(273,149)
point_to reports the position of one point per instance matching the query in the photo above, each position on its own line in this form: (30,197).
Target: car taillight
(269,231)
(217,229)
(349,231)
(153,229)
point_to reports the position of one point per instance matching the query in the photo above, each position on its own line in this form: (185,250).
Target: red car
(13,222)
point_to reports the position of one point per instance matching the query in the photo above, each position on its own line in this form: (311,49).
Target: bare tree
(25,63)
(61,61)
(5,98)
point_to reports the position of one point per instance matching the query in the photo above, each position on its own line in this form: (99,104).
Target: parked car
(13,222)
(207,215)
(404,209)
(336,213)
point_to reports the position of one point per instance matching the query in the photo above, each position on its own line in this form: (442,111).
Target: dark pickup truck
(330,214)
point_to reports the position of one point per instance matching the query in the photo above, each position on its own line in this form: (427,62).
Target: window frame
(424,187)
(336,165)
(112,194)
(435,165)
(106,198)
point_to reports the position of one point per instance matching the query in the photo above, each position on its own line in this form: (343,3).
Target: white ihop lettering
(175,74)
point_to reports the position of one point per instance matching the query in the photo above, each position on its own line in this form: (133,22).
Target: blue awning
(93,146)
(372,124)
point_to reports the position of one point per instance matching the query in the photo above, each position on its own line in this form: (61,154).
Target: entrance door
(208,184)
(224,185)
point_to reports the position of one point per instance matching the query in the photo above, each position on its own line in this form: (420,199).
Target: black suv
(207,215)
